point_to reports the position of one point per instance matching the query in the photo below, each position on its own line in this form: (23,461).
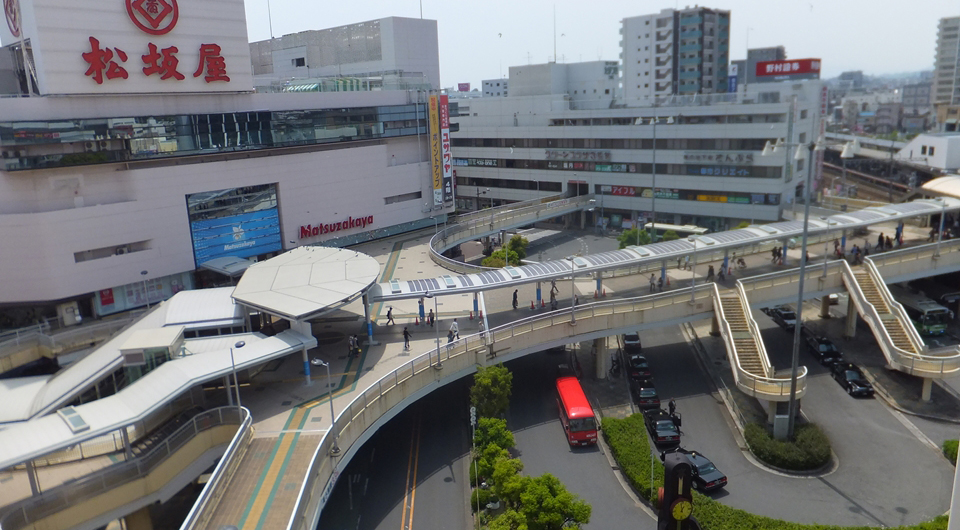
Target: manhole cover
(329,337)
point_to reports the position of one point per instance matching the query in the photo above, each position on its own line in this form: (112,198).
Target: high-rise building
(683,51)
(946,73)
(747,69)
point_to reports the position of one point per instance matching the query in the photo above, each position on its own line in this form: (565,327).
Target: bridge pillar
(714,326)
(599,277)
(926,390)
(825,306)
(539,297)
(771,412)
(850,330)
(125,437)
(32,475)
(583,219)
(139,520)
(368,318)
(602,361)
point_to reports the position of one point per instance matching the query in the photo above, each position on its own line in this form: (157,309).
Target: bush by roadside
(631,449)
(810,451)
(950,450)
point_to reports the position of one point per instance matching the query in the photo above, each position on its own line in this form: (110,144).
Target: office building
(684,51)
(747,69)
(494,87)
(946,65)
(127,184)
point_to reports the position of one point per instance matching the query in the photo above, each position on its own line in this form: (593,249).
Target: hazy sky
(876,36)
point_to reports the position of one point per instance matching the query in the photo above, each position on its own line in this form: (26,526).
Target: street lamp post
(573,294)
(143,279)
(335,450)
(693,273)
(479,193)
(233,366)
(943,214)
(436,312)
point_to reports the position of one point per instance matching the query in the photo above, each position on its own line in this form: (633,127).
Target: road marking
(914,430)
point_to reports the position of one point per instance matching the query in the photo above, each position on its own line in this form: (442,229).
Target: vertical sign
(732,79)
(436,158)
(446,155)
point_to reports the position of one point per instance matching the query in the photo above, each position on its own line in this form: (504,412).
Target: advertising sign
(445,153)
(794,69)
(463,87)
(436,156)
(243,235)
(732,78)
(133,46)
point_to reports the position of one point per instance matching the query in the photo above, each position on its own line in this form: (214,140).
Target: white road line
(913,428)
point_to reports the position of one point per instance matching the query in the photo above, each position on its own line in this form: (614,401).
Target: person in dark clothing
(889,243)
(406,338)
(879,242)
(672,406)
(390,316)
(515,298)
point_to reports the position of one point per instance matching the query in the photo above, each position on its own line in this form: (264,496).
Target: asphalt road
(412,473)
(542,447)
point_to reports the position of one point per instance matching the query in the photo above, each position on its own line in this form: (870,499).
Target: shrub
(629,444)
(950,450)
(810,450)
(479,495)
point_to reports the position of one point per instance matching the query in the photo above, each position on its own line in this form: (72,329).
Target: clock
(681,509)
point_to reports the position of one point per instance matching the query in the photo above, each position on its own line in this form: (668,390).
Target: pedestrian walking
(721,277)
(390,316)
(773,254)
(406,338)
(686,262)
(672,406)
(351,345)
(356,345)
(553,287)
(430,318)
(710,273)
(455,329)
(515,298)
(653,282)
(679,261)
(576,300)
(879,242)
(889,243)
(660,284)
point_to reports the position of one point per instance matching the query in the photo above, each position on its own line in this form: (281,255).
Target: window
(923,149)
(803,115)
(647,85)
(646,22)
(800,165)
(645,48)
(646,60)
(930,151)
(606,91)
(803,138)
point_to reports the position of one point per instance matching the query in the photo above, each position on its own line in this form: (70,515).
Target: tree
(743,224)
(629,237)
(501,258)
(491,390)
(519,245)
(509,520)
(488,458)
(508,483)
(670,235)
(547,505)
(493,431)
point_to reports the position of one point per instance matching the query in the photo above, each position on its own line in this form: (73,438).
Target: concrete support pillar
(226,385)
(663,273)
(139,520)
(583,219)
(843,242)
(368,318)
(599,278)
(539,297)
(714,326)
(32,476)
(306,367)
(927,389)
(825,306)
(850,331)
(246,320)
(771,411)
(476,302)
(786,247)
(125,437)
(603,360)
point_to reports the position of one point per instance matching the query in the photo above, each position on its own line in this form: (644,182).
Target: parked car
(785,317)
(825,351)
(631,343)
(637,367)
(663,428)
(645,394)
(851,379)
(706,476)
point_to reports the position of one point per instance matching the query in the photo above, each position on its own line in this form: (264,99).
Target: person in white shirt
(455,329)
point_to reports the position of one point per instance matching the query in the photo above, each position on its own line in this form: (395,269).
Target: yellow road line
(273,473)
(406,486)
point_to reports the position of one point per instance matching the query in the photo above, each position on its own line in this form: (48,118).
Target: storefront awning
(231,266)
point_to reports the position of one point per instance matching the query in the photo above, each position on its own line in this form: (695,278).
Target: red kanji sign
(156,17)
(213,63)
(13,20)
(163,62)
(100,60)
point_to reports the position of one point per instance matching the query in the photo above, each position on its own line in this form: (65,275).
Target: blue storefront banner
(243,235)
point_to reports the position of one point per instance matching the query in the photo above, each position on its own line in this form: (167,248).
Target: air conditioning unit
(90,147)
(122,250)
(9,154)
(103,145)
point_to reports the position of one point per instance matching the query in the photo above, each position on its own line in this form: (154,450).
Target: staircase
(896,327)
(747,352)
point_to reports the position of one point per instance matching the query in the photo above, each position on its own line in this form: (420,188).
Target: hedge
(630,447)
(950,451)
(811,450)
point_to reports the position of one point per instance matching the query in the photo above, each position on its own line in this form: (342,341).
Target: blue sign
(731,83)
(243,235)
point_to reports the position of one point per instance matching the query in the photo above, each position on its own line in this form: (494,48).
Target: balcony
(691,48)
(689,88)
(695,34)
(691,61)
(684,21)
(693,74)
(724,34)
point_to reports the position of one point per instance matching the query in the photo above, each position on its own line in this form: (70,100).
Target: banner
(446,154)
(796,68)
(436,157)
(463,87)
(732,78)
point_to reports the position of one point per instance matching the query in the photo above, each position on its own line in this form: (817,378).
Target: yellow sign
(436,157)
(712,198)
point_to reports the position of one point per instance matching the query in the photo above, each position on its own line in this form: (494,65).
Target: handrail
(754,330)
(469,216)
(212,491)
(896,308)
(27,511)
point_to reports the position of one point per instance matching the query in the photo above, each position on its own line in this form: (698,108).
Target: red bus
(576,415)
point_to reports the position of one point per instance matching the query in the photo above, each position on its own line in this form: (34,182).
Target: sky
(482,39)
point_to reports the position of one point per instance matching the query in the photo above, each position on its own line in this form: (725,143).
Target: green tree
(491,390)
(508,483)
(509,520)
(670,235)
(629,237)
(547,505)
(519,245)
(493,431)
(501,258)
(743,224)
(488,458)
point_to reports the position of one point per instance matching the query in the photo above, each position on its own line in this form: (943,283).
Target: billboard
(446,154)
(463,87)
(436,156)
(793,69)
(732,78)
(133,46)
(243,235)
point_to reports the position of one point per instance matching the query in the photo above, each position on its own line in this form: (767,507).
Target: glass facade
(73,142)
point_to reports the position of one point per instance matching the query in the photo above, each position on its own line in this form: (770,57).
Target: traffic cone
(604,292)
(542,304)
(480,314)
(471,315)
(596,294)
(532,307)
(416,321)
(668,281)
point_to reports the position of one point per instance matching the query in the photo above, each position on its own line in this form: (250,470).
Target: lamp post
(335,450)
(436,226)
(143,279)
(436,312)
(693,273)
(479,193)
(943,214)
(573,294)
(233,366)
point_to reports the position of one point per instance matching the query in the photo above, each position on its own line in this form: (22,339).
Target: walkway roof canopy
(307,282)
(948,186)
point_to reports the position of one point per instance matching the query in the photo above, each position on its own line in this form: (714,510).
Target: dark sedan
(851,379)
(706,476)
(663,428)
(645,395)
(821,347)
(637,367)
(785,317)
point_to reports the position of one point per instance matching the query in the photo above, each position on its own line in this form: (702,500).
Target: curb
(892,403)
